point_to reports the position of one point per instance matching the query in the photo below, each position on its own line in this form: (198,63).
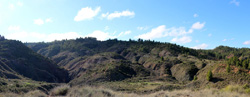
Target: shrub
(35,93)
(209,75)
(195,78)
(60,91)
(228,68)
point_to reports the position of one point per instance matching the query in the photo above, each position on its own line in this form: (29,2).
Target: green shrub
(228,68)
(209,75)
(195,78)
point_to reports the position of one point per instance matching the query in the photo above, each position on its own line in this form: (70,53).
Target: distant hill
(17,61)
(88,59)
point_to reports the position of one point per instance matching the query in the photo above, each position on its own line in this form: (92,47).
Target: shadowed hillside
(18,61)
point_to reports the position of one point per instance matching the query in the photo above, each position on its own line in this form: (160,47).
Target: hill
(89,60)
(17,61)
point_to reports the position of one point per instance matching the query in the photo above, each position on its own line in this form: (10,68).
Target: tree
(244,64)
(248,66)
(237,63)
(209,75)
(162,59)
(228,68)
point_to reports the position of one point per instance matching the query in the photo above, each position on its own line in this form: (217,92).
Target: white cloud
(210,35)
(237,3)
(39,37)
(14,28)
(61,36)
(196,15)
(124,33)
(100,35)
(184,39)
(162,31)
(26,36)
(247,42)
(48,20)
(86,13)
(198,25)
(228,39)
(202,46)
(117,14)
(20,3)
(38,21)
(158,32)
(142,28)
(127,32)
(11,6)
(41,21)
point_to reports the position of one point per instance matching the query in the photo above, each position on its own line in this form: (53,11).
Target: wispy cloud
(237,3)
(143,28)
(48,20)
(117,14)
(25,36)
(87,13)
(198,25)
(182,40)
(19,3)
(247,42)
(228,39)
(100,35)
(209,35)
(14,28)
(41,21)
(12,6)
(162,31)
(38,22)
(124,33)
(106,28)
(196,15)
(201,46)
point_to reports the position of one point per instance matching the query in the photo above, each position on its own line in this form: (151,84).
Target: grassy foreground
(87,91)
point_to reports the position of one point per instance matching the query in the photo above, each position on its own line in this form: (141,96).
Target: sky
(198,24)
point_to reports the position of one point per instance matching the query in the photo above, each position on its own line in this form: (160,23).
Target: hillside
(19,62)
(89,60)
(141,66)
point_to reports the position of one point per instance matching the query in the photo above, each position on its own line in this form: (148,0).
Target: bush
(35,93)
(228,68)
(60,91)
(209,75)
(195,78)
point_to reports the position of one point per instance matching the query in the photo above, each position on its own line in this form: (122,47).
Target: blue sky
(203,24)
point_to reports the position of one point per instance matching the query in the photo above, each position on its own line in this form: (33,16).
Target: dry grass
(102,92)
(35,93)
(86,91)
(60,91)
